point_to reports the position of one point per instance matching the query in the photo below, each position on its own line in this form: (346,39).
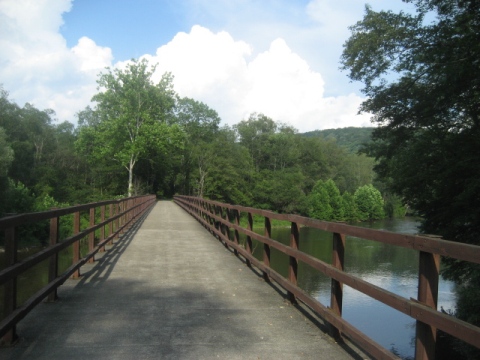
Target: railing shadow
(101,269)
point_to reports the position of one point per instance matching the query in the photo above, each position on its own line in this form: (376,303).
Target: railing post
(211,210)
(236,236)
(76,244)
(121,210)
(10,287)
(224,227)
(215,207)
(336,295)
(426,335)
(110,223)
(248,245)
(117,221)
(102,229)
(53,265)
(293,263)
(128,216)
(91,235)
(266,247)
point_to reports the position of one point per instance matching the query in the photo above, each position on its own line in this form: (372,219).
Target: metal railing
(222,218)
(107,219)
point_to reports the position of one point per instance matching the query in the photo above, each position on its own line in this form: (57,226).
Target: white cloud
(228,75)
(36,64)
(91,57)
(216,69)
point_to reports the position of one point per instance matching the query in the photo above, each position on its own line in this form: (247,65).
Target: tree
(319,202)
(422,82)
(369,203)
(279,190)
(6,154)
(132,116)
(257,134)
(335,201)
(349,207)
(200,124)
(225,169)
(422,78)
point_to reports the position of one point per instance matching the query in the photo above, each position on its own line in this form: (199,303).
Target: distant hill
(350,138)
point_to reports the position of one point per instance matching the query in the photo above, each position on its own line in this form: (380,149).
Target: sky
(275,57)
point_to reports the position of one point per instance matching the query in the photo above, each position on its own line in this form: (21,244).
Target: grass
(259,222)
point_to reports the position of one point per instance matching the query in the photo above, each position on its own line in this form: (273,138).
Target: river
(389,267)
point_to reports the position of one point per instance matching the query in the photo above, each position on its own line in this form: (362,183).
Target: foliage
(259,221)
(421,79)
(319,202)
(350,138)
(421,75)
(280,190)
(369,203)
(131,118)
(6,154)
(200,124)
(335,201)
(265,140)
(227,169)
(16,199)
(468,303)
(350,210)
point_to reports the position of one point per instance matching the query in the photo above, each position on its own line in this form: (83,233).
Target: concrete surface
(169,290)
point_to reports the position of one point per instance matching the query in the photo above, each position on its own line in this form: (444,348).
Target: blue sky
(277,57)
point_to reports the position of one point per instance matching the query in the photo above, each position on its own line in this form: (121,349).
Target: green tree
(279,190)
(259,134)
(319,202)
(6,154)
(200,124)
(133,116)
(225,169)
(349,207)
(335,201)
(421,80)
(369,203)
(313,161)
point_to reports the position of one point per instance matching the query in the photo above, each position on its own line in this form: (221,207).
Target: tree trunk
(130,177)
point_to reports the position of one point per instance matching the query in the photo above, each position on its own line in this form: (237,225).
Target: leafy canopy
(422,77)
(421,74)
(131,117)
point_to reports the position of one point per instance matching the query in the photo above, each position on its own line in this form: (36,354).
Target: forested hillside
(142,137)
(351,138)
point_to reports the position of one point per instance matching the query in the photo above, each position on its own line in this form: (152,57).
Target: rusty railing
(114,218)
(221,218)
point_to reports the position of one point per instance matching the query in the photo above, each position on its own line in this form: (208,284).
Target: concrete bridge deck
(169,290)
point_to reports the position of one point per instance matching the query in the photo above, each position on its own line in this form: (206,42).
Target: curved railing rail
(116,216)
(220,218)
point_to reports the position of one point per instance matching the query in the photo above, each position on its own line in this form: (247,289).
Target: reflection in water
(389,267)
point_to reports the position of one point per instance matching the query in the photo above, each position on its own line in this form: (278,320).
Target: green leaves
(423,79)
(6,153)
(130,119)
(369,203)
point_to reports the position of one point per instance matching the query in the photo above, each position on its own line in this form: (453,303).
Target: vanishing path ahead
(169,290)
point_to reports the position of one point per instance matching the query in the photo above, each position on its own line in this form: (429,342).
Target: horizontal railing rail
(122,214)
(221,218)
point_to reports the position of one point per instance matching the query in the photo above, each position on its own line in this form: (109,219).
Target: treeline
(170,145)
(351,138)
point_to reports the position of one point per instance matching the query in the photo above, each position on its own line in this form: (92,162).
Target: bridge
(154,283)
